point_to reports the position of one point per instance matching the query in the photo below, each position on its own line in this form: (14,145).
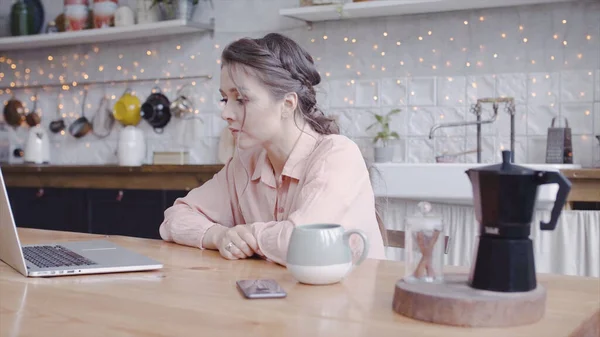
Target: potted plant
(384,152)
(176,9)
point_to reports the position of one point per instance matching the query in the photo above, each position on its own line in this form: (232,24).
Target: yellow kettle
(127,109)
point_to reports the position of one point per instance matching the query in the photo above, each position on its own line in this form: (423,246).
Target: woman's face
(262,122)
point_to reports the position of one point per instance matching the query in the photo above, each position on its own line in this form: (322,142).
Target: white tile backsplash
(577,86)
(420,150)
(420,120)
(580,117)
(512,85)
(480,87)
(582,150)
(367,93)
(539,119)
(451,91)
(394,91)
(435,79)
(421,91)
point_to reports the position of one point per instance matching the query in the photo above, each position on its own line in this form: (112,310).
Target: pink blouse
(324,180)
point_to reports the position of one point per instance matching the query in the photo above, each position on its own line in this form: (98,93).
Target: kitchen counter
(585,182)
(145,177)
(196,294)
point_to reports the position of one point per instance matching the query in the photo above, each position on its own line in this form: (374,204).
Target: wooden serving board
(454,302)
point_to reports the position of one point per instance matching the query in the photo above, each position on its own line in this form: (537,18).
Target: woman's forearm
(212,236)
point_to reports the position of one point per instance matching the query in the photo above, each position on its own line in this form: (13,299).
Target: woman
(290,167)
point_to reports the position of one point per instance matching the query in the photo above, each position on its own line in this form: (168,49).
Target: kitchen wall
(433,67)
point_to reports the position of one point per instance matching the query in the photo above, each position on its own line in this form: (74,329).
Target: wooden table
(195,295)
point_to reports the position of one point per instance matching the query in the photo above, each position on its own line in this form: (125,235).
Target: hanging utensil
(57,125)
(103,119)
(33,118)
(81,126)
(182,105)
(14,112)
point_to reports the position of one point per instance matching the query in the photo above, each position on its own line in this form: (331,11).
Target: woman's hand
(237,243)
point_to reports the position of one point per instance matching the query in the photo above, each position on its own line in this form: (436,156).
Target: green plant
(383,121)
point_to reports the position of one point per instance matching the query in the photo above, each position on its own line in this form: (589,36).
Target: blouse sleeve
(334,184)
(191,216)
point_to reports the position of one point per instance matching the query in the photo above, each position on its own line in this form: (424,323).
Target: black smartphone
(261,289)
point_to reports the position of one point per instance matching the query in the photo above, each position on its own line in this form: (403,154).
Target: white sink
(444,182)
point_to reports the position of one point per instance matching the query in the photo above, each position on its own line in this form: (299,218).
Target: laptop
(63,258)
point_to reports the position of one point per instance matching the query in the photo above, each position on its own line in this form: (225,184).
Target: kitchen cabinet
(125,212)
(49,208)
(129,212)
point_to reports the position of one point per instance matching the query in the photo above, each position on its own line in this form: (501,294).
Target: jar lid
(424,219)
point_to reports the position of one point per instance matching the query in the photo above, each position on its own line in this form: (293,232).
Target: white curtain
(573,248)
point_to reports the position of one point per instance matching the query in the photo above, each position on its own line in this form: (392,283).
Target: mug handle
(363,236)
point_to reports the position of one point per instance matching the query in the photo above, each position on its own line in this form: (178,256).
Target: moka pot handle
(564,187)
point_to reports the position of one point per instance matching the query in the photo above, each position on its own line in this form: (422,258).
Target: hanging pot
(156,110)
(14,112)
(33,118)
(81,126)
(58,124)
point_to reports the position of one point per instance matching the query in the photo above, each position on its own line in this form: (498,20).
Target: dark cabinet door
(172,195)
(136,213)
(49,208)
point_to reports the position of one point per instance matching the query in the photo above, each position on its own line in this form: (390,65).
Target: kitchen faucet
(476,109)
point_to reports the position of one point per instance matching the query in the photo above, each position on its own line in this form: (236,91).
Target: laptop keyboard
(54,256)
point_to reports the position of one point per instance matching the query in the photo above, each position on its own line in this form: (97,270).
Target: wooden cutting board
(454,302)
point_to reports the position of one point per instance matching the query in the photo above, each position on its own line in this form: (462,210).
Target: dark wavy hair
(283,66)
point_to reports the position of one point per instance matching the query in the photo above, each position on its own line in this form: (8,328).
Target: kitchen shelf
(111,34)
(377,8)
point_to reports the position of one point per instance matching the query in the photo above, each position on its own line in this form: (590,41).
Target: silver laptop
(63,258)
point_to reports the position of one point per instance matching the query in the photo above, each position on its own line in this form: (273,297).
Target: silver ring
(229,246)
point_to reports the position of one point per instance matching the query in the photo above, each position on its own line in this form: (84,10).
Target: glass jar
(424,246)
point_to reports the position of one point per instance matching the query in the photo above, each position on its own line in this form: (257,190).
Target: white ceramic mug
(320,253)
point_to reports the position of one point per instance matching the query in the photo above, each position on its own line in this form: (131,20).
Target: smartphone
(261,289)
